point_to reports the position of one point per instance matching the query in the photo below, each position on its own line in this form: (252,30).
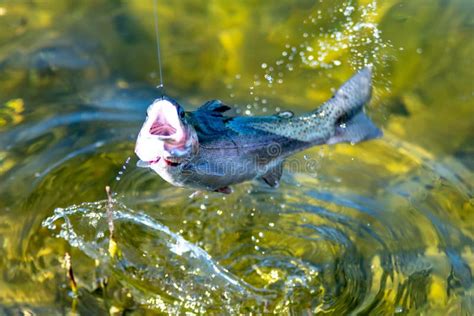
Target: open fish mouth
(166,123)
(173,161)
(170,161)
(162,130)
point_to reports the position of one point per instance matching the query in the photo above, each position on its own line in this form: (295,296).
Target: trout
(209,150)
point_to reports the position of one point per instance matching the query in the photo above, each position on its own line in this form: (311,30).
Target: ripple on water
(328,249)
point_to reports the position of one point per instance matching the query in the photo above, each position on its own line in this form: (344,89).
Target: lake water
(381,228)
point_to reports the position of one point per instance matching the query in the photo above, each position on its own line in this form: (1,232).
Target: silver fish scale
(304,128)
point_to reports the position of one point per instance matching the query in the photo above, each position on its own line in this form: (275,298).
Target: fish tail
(345,111)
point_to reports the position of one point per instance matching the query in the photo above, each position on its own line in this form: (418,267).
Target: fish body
(208,150)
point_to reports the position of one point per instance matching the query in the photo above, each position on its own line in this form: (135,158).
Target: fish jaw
(165,137)
(164,121)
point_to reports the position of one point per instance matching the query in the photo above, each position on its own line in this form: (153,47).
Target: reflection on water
(383,227)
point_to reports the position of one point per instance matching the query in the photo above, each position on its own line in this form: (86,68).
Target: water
(384,227)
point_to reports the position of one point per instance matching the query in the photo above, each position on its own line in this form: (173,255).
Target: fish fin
(346,110)
(209,118)
(225,190)
(143,164)
(273,175)
(349,98)
(215,106)
(195,194)
(354,129)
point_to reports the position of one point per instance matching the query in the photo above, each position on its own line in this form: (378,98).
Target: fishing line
(155,5)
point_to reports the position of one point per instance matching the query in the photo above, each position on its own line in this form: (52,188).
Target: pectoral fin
(214,106)
(143,164)
(273,175)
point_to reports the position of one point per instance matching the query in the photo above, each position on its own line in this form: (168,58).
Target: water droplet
(269,78)
(348,11)
(398,309)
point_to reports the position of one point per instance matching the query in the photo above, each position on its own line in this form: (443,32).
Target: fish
(210,150)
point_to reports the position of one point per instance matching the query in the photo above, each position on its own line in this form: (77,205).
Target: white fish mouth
(162,128)
(163,121)
(163,131)
(164,140)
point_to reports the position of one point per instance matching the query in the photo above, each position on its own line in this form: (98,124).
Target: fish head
(166,139)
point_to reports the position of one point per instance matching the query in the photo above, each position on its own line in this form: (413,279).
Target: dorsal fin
(215,106)
(208,119)
(273,175)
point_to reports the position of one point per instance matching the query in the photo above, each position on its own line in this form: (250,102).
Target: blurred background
(383,227)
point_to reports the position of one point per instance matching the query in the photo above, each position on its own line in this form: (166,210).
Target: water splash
(162,269)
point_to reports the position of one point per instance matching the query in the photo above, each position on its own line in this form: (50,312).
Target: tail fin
(346,110)
(354,129)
